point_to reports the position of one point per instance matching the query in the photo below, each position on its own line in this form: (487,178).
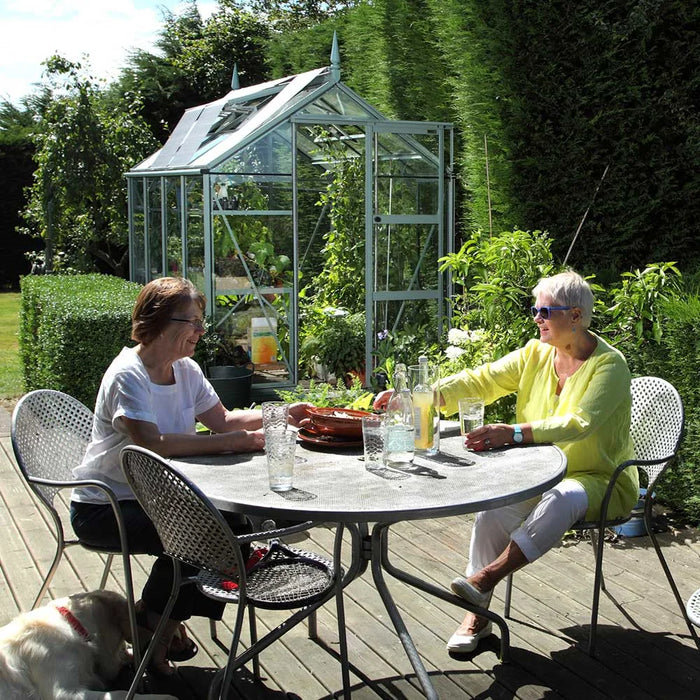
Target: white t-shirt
(127,390)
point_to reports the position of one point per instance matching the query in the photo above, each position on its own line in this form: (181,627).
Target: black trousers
(95,524)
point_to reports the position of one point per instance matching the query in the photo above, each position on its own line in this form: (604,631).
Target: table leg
(380,563)
(379,537)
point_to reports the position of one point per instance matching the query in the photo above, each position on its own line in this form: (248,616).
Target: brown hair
(156,303)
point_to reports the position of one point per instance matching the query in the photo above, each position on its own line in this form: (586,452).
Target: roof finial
(235,85)
(335,58)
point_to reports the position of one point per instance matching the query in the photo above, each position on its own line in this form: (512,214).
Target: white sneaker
(461,587)
(464,643)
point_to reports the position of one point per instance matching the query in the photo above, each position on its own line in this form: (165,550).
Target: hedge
(71,328)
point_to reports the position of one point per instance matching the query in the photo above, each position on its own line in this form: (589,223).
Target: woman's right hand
(382,400)
(246,440)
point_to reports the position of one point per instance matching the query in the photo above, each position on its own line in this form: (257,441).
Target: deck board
(645,651)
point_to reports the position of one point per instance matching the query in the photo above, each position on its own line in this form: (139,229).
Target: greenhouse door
(408,226)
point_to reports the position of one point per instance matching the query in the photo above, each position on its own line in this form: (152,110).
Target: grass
(11,385)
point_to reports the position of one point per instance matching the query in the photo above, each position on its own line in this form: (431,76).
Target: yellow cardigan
(589,420)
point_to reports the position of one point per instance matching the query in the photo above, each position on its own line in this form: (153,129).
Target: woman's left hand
(299,414)
(487,437)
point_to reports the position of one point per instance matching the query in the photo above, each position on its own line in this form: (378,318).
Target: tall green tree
(194,61)
(83,146)
(16,166)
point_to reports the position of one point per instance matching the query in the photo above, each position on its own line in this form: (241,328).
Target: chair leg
(509,593)
(213,634)
(49,576)
(107,569)
(252,621)
(228,671)
(160,627)
(594,544)
(60,548)
(597,583)
(667,571)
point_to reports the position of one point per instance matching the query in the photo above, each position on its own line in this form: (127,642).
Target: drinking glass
(280,446)
(471,414)
(373,435)
(275,415)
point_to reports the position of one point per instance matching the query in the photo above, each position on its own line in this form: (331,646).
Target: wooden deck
(645,650)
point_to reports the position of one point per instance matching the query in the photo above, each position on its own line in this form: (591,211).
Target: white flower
(456,336)
(335,312)
(454,352)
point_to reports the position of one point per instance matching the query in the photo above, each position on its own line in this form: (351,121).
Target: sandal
(181,647)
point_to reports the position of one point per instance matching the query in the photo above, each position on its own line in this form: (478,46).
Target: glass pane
(406,196)
(326,144)
(195,231)
(406,257)
(255,192)
(173,219)
(138,249)
(155,229)
(271,153)
(402,154)
(267,248)
(412,324)
(336,101)
(257,329)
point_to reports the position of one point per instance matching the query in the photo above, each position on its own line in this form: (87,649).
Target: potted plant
(228,368)
(335,339)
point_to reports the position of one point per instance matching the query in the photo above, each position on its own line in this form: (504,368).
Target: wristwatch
(517,434)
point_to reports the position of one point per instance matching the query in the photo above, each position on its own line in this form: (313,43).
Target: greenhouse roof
(208,134)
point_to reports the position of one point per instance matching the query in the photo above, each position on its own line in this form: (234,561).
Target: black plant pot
(232,384)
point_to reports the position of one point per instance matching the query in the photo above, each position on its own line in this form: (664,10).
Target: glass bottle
(400,445)
(423,408)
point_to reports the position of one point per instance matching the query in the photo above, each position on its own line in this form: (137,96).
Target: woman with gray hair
(573,390)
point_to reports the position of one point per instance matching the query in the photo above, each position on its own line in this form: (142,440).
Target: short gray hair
(568,289)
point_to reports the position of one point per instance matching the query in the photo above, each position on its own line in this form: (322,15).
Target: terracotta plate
(330,441)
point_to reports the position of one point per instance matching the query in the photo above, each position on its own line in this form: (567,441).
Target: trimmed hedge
(71,328)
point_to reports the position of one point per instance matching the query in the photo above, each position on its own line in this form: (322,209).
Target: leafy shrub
(335,339)
(323,394)
(496,275)
(676,358)
(71,328)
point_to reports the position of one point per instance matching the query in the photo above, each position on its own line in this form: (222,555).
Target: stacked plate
(334,427)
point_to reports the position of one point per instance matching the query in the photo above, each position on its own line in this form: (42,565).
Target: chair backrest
(191,529)
(657,423)
(50,433)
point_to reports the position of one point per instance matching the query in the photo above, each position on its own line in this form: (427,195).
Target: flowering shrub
(466,349)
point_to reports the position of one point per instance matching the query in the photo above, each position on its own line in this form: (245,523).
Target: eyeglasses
(197,325)
(546,311)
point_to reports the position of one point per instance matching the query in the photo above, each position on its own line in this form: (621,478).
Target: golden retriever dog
(68,650)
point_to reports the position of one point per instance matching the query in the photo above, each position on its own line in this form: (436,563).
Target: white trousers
(535,525)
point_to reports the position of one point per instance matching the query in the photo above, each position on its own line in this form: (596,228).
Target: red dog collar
(74,622)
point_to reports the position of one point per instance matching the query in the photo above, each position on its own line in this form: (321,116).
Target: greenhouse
(295,204)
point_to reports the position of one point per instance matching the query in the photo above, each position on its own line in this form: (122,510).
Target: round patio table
(332,485)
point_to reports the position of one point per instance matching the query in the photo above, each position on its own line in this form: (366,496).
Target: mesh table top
(335,486)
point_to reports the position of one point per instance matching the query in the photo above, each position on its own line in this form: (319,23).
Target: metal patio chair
(50,432)
(656,429)
(194,532)
(692,608)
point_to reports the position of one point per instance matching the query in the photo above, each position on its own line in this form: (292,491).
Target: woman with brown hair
(152,395)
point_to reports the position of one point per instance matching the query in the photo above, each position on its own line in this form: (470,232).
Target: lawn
(10,371)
